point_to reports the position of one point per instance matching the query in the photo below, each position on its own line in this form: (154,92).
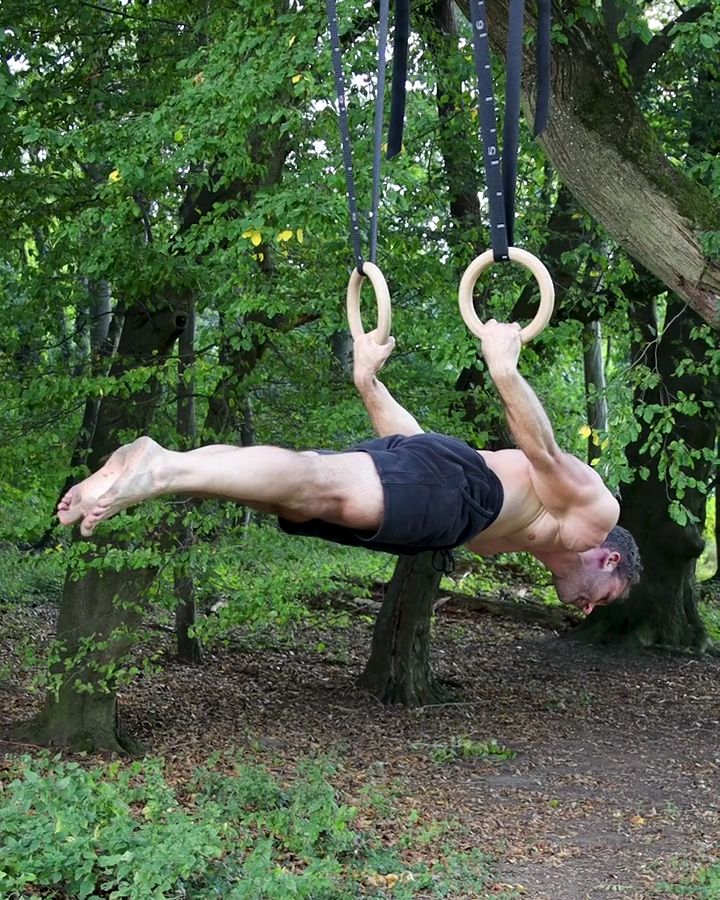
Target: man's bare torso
(526,522)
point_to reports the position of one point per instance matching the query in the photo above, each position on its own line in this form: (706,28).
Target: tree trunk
(595,396)
(398,670)
(188,646)
(607,154)
(661,610)
(105,331)
(102,605)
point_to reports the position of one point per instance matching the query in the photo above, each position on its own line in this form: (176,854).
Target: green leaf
(708,40)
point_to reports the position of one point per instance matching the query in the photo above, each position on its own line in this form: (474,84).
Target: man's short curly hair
(630,565)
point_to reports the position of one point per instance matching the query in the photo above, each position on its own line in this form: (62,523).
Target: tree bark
(189,649)
(662,610)
(101,606)
(605,151)
(398,670)
(595,396)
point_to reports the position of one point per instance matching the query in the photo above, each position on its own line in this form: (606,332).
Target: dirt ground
(615,782)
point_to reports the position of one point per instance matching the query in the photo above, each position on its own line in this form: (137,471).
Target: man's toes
(66,512)
(90,523)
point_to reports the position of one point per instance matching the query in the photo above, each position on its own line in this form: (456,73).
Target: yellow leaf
(285,235)
(292,40)
(300,235)
(114,176)
(585,431)
(199,78)
(296,78)
(638,821)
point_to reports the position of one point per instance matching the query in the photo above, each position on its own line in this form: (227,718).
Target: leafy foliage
(703,885)
(236,831)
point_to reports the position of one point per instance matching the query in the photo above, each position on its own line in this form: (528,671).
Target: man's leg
(343,488)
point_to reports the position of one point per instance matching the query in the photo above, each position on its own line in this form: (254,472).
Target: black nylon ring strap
(379,116)
(501,172)
(488,130)
(511,120)
(345,131)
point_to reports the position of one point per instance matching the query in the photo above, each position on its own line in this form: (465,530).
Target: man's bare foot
(129,476)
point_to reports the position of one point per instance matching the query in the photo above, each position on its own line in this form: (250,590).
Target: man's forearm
(386,414)
(526,417)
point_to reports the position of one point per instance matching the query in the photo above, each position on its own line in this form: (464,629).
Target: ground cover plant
(235,830)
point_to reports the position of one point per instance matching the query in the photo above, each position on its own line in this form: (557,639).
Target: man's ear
(611,560)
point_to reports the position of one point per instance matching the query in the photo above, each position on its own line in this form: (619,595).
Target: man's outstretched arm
(562,480)
(386,414)
(528,421)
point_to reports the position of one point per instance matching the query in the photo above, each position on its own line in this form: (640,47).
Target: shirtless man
(406,491)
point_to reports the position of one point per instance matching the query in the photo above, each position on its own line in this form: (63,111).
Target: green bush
(30,577)
(123,834)
(262,576)
(237,834)
(704,885)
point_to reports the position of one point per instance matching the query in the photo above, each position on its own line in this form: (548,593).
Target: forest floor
(614,787)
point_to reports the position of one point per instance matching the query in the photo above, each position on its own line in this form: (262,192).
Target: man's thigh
(344,489)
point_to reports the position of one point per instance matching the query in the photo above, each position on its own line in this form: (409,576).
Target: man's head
(605,573)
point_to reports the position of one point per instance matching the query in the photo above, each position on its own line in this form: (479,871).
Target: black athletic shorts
(439,493)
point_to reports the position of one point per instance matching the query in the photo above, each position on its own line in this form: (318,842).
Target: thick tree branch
(642,57)
(612,14)
(607,154)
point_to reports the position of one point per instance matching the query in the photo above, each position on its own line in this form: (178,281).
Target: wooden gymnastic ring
(542,276)
(382,299)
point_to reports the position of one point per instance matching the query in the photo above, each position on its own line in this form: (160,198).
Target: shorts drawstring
(443,561)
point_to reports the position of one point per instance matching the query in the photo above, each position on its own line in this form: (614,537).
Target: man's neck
(560,562)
